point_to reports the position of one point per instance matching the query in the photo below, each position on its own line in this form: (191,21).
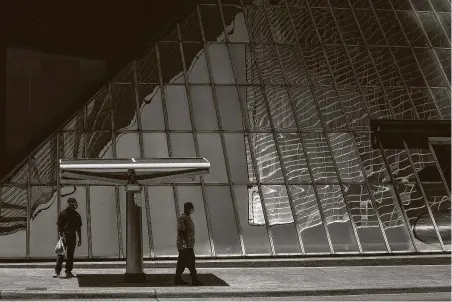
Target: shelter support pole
(134,239)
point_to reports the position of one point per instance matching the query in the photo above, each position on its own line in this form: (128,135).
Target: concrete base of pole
(134,277)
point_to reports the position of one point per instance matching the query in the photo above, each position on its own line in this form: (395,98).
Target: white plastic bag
(60,249)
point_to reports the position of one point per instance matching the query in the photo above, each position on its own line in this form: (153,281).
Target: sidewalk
(38,284)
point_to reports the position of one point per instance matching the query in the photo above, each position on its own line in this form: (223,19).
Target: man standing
(69,223)
(185,245)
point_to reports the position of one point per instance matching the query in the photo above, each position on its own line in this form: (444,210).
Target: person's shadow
(152,280)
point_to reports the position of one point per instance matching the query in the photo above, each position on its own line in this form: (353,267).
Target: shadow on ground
(152,280)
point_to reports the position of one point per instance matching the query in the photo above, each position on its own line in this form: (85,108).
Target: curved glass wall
(278,96)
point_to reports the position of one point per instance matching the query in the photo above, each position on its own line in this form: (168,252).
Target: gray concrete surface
(284,282)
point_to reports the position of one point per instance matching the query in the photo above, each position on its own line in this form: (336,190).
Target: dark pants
(186,259)
(69,243)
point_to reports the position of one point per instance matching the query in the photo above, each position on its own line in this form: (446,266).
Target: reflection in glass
(127,145)
(255,236)
(203,108)
(267,160)
(222,218)
(347,159)
(337,219)
(163,219)
(293,157)
(211,149)
(308,219)
(319,157)
(104,230)
(13,208)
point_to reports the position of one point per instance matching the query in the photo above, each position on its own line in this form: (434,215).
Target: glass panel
(177,107)
(279,20)
(98,111)
(293,158)
(305,109)
(257,108)
(147,68)
(190,29)
(43,221)
(104,228)
(224,226)
(267,160)
(376,103)
(244,64)
(340,66)
(144,227)
(309,220)
(401,104)
(354,108)
(182,145)
(364,217)
(391,217)
(280,108)
(337,218)
(124,107)
(210,148)
(349,28)
(255,237)
(155,145)
(277,204)
(391,28)
(319,157)
(193,194)
(211,21)
(260,30)
(229,107)
(293,66)
(220,63)
(100,145)
(151,107)
(43,164)
(369,27)
(408,67)
(304,26)
(330,108)
(429,66)
(235,146)
(412,28)
(127,145)
(285,238)
(268,64)
(75,124)
(164,221)
(347,159)
(443,100)
(366,75)
(414,207)
(317,65)
(424,104)
(328,31)
(72,145)
(239,34)
(385,66)
(195,63)
(249,160)
(170,62)
(371,159)
(433,29)
(203,108)
(13,222)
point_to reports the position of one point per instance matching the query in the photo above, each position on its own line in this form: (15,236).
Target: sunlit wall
(278,97)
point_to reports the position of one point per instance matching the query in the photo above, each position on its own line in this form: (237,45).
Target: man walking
(185,245)
(69,223)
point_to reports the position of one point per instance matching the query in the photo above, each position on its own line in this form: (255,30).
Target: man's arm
(79,231)
(181,230)
(61,222)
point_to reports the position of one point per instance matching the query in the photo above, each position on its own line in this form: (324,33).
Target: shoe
(69,275)
(56,275)
(178,281)
(196,282)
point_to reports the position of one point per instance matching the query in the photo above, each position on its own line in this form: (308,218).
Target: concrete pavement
(37,283)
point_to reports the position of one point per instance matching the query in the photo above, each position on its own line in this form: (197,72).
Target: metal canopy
(132,173)
(117,171)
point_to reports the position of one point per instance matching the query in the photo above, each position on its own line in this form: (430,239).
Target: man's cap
(188,206)
(71,200)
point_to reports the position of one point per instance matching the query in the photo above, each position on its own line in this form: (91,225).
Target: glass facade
(278,96)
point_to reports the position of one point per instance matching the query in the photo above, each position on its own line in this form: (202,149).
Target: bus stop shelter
(133,174)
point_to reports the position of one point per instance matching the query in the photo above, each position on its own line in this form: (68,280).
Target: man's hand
(184,245)
(79,242)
